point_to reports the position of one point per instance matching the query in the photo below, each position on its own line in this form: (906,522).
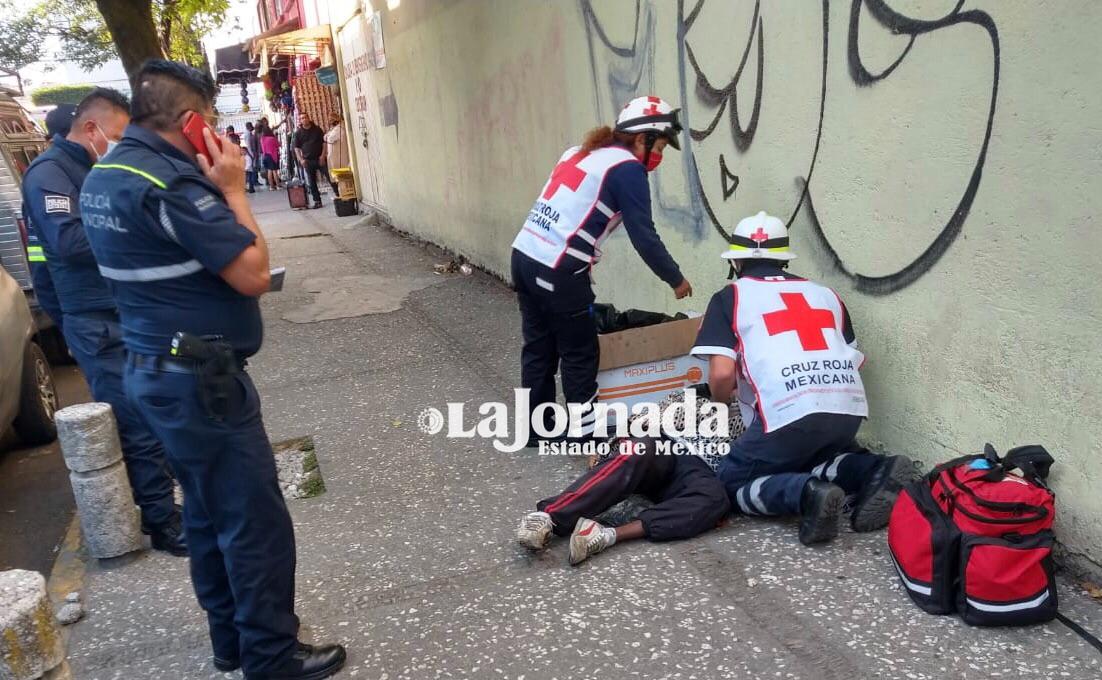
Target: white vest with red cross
(569,199)
(793,350)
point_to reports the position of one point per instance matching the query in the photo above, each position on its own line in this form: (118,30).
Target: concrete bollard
(90,444)
(30,642)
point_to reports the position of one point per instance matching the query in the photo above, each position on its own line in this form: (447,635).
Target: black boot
(226,665)
(877,497)
(168,536)
(820,507)
(307,663)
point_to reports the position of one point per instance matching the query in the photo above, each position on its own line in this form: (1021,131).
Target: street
(36,501)
(409,557)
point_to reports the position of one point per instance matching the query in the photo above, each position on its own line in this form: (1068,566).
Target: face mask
(654,160)
(111,144)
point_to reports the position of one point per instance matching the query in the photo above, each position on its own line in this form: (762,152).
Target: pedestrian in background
(187,260)
(269,147)
(335,154)
(309,149)
(252,156)
(91,325)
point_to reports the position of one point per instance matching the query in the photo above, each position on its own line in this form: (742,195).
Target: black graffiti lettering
(633,63)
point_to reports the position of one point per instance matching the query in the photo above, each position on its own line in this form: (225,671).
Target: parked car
(28,398)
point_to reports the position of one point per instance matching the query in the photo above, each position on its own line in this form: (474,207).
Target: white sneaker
(534,530)
(588,539)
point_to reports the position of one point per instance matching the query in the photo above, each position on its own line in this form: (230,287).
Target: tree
(88,30)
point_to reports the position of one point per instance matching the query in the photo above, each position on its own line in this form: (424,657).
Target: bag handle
(1028,512)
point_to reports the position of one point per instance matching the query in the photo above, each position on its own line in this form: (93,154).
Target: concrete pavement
(409,559)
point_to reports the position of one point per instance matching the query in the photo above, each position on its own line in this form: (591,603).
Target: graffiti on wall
(750,133)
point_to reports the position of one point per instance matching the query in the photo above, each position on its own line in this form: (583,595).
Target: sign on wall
(377,39)
(357,57)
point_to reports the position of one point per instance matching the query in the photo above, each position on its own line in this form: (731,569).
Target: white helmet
(650,114)
(759,237)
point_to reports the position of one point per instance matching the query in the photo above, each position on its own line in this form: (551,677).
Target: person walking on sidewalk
(174,234)
(90,321)
(269,147)
(592,190)
(788,346)
(310,149)
(252,157)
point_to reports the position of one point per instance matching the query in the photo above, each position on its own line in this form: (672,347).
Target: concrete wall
(951,156)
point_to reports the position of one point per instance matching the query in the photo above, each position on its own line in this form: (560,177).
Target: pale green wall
(997,340)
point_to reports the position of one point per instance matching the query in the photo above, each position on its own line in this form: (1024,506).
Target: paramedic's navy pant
(95,341)
(559,330)
(239,534)
(764,474)
(689,499)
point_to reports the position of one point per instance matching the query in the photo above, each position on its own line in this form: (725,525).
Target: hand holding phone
(193,130)
(223,163)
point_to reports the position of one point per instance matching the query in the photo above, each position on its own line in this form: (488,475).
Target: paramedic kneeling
(593,188)
(787,345)
(174,235)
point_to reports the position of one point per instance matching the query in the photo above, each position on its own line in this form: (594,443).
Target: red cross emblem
(567,173)
(799,316)
(652,110)
(759,236)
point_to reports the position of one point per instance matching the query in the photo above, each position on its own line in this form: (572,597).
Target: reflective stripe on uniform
(132,169)
(36,254)
(574,252)
(169,271)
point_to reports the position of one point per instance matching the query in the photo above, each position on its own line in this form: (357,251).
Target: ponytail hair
(599,138)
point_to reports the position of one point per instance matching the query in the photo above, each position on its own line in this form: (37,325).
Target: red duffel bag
(975,537)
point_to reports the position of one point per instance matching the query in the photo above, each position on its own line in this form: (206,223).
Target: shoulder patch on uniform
(205,202)
(56,203)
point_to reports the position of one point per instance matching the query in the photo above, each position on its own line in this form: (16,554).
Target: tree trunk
(133,31)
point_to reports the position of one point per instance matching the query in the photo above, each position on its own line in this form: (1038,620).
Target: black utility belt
(173,364)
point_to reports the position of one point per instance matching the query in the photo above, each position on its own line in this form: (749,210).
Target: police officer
(593,189)
(176,237)
(58,123)
(787,346)
(51,198)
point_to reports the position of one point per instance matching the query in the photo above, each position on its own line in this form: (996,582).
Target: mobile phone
(193,131)
(277,274)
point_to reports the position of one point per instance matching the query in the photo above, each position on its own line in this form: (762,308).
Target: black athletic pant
(559,333)
(689,498)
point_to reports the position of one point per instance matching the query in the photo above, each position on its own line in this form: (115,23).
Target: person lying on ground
(788,346)
(689,500)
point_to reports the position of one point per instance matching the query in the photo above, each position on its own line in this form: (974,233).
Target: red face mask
(654,160)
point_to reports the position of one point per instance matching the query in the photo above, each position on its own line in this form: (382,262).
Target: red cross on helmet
(761,236)
(650,114)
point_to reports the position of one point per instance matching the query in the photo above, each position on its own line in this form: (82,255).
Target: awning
(232,64)
(311,41)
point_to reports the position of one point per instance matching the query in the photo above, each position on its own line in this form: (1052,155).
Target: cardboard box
(648,363)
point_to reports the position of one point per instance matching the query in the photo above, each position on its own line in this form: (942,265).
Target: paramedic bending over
(593,189)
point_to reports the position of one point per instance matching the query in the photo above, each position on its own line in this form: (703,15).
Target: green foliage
(60,94)
(85,40)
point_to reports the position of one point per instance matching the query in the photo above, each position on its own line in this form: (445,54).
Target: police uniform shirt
(51,198)
(162,233)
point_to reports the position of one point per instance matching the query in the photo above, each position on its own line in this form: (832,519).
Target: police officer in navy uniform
(174,234)
(58,123)
(51,198)
(785,346)
(593,189)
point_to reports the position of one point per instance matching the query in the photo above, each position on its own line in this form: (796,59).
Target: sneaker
(820,507)
(588,539)
(877,497)
(535,530)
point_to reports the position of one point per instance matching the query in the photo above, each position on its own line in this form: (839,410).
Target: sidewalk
(409,559)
